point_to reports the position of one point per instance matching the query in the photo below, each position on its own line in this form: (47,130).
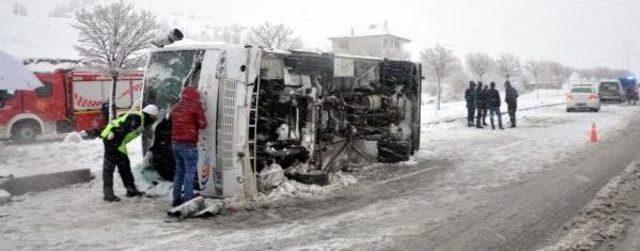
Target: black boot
(134,193)
(176,203)
(111,198)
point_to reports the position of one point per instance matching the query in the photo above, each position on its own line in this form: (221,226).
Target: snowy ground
(456,110)
(69,154)
(389,202)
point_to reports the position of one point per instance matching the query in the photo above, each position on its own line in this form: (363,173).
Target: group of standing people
(482,98)
(186,118)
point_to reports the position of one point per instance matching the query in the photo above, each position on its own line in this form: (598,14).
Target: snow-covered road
(467,189)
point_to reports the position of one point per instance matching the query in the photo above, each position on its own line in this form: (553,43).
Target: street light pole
(627,50)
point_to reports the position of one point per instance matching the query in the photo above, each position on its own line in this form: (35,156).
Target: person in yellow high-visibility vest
(115,137)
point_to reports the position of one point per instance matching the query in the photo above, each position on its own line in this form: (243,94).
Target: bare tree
(508,66)
(274,36)
(111,38)
(457,82)
(19,9)
(536,69)
(602,73)
(480,64)
(557,72)
(438,63)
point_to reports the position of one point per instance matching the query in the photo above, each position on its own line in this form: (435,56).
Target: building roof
(372,30)
(376,35)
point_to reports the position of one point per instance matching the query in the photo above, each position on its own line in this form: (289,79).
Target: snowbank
(604,218)
(70,154)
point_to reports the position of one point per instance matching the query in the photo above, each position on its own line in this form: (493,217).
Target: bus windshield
(166,73)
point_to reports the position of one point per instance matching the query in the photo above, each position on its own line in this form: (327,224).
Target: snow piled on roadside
(70,154)
(72,137)
(292,190)
(604,218)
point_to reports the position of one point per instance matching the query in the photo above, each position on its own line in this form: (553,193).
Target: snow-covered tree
(456,83)
(274,36)
(111,37)
(557,72)
(602,73)
(19,9)
(480,64)
(508,66)
(438,63)
(536,69)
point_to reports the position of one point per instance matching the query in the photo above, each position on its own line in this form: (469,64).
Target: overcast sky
(581,33)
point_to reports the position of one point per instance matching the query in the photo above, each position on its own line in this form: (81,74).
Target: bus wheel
(25,131)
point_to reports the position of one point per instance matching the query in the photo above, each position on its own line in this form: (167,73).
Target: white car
(583,98)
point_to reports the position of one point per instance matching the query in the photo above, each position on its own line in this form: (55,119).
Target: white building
(375,41)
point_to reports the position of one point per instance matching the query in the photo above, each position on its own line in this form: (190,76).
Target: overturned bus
(306,112)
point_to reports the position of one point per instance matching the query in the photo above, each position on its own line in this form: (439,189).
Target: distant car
(583,98)
(611,91)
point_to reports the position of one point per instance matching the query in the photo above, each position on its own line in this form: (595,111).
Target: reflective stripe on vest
(127,138)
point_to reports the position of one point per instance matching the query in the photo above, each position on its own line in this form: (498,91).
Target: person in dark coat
(511,97)
(187,118)
(493,102)
(160,150)
(115,137)
(632,95)
(480,105)
(470,97)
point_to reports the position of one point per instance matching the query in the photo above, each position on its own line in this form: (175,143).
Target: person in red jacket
(187,118)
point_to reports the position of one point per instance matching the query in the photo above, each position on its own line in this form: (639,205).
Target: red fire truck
(67,101)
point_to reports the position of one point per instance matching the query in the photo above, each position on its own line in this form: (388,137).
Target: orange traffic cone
(594,133)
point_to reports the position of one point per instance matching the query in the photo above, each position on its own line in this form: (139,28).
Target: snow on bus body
(68,101)
(236,145)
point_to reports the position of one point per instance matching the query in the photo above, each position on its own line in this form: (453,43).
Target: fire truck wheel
(25,131)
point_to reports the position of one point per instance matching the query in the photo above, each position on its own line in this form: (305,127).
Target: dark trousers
(484,116)
(186,158)
(495,111)
(112,159)
(512,107)
(631,99)
(470,114)
(481,116)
